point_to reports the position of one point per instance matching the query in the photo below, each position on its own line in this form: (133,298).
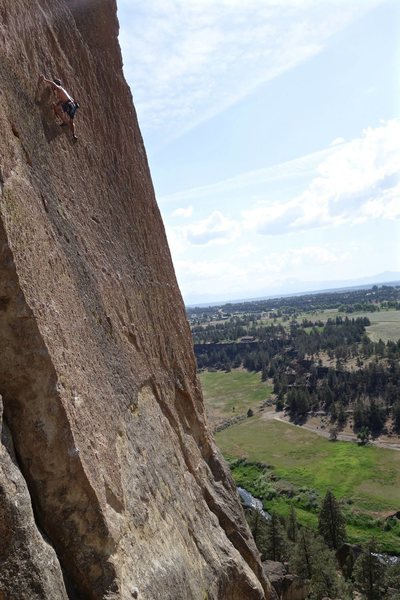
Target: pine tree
(369,573)
(312,560)
(363,436)
(276,545)
(331,523)
(258,527)
(292,525)
(393,577)
(324,580)
(396,416)
(333,434)
(301,559)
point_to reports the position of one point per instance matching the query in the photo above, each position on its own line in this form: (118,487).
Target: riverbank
(289,465)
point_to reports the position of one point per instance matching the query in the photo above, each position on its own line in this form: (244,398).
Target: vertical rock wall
(118,482)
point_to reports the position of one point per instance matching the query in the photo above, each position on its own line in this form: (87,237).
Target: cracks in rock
(225,514)
(7,439)
(65,504)
(15,131)
(44,202)
(14,509)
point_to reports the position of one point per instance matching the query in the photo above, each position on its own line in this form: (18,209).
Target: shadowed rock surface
(29,566)
(115,483)
(287,585)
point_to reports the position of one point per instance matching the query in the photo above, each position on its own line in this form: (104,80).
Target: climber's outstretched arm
(48,81)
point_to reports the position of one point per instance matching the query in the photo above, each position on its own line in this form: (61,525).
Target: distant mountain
(293,287)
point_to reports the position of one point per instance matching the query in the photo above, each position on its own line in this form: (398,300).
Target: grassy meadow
(385,324)
(370,476)
(301,466)
(233,393)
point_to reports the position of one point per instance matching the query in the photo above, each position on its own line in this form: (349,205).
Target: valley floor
(320,426)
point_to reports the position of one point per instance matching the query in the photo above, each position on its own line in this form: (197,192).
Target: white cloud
(357,181)
(188,60)
(205,270)
(223,278)
(353,183)
(183,212)
(230,252)
(245,251)
(312,255)
(337,141)
(215,229)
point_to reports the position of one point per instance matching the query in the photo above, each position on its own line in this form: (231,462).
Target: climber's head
(57,81)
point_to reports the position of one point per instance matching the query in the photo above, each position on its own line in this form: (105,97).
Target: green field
(385,324)
(365,479)
(369,475)
(227,394)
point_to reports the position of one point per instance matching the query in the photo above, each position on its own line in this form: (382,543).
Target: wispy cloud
(357,181)
(188,60)
(249,183)
(351,182)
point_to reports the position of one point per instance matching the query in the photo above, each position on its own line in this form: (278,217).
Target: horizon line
(310,292)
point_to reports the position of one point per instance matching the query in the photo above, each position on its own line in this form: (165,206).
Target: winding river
(249,501)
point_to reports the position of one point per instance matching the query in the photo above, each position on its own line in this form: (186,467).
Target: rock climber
(64,106)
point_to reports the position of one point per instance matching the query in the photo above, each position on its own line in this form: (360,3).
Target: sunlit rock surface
(115,488)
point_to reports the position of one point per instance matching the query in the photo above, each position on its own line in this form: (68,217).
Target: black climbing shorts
(70,108)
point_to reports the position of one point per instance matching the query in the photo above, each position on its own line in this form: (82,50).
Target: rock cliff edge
(110,483)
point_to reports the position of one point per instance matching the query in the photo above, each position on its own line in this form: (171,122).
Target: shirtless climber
(64,106)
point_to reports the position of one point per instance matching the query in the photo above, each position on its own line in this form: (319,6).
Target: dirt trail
(270,415)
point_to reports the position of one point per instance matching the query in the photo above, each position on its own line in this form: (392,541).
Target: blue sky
(272,129)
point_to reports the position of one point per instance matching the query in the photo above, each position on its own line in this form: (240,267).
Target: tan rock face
(97,372)
(29,567)
(288,586)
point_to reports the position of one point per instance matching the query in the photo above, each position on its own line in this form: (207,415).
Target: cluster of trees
(338,335)
(313,556)
(360,307)
(234,329)
(367,299)
(370,395)
(230,330)
(254,356)
(302,384)
(340,338)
